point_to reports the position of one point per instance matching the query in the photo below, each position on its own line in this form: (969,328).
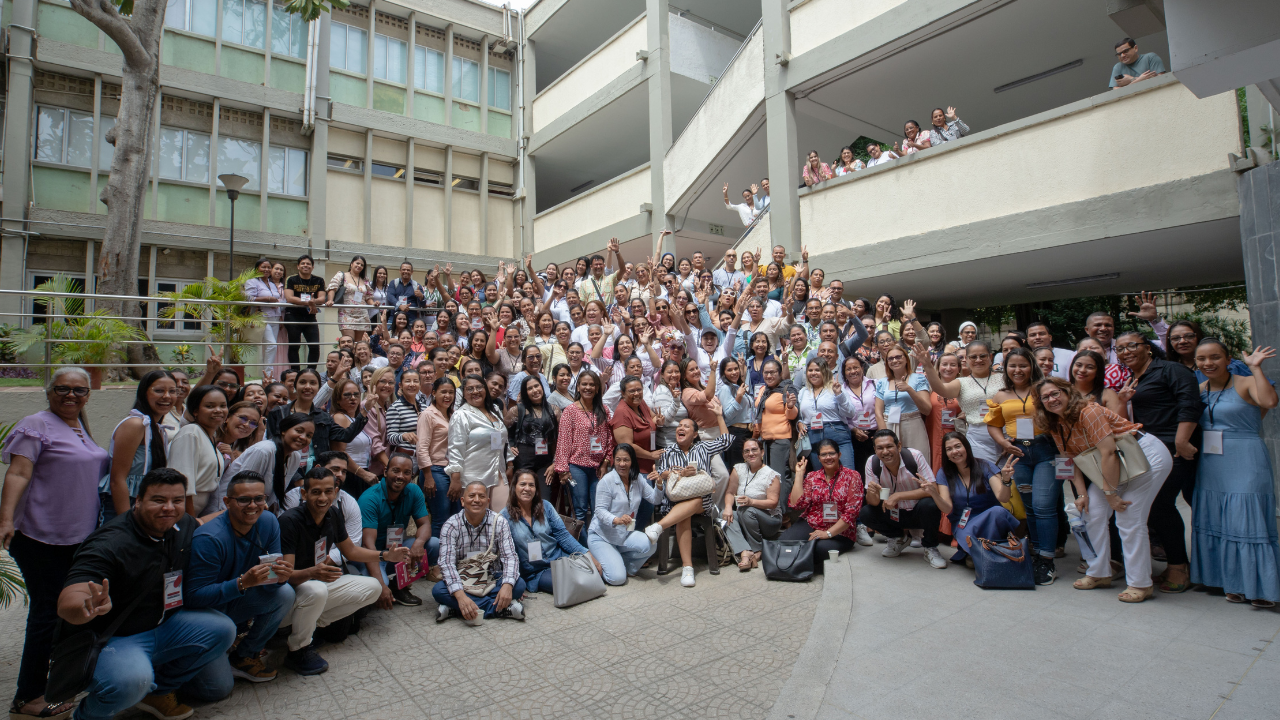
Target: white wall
(818,21)
(616,200)
(590,75)
(699,52)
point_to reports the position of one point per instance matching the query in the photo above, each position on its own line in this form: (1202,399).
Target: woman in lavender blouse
(48,506)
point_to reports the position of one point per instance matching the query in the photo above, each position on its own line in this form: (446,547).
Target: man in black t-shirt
(133,567)
(324,594)
(304,293)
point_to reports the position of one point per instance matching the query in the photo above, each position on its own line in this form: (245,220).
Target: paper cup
(884,494)
(833,556)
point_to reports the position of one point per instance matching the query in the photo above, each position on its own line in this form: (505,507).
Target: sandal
(1263,604)
(51,710)
(1089,582)
(1236,598)
(1168,586)
(1136,595)
(744,561)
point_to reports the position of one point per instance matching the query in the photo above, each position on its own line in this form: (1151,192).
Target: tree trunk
(138,36)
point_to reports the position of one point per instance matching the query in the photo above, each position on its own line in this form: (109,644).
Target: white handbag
(686,488)
(574,580)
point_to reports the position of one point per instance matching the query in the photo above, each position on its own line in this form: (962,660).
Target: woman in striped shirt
(402,418)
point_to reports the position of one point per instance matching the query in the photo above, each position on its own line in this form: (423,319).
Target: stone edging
(802,696)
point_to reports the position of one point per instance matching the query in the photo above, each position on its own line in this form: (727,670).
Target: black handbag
(74,659)
(790,560)
(340,293)
(564,508)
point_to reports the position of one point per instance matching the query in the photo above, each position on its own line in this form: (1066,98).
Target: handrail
(734,246)
(752,34)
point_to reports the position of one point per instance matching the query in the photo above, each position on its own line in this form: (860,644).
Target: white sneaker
(444,612)
(915,543)
(686,576)
(895,546)
(881,538)
(935,558)
(653,532)
(514,611)
(864,537)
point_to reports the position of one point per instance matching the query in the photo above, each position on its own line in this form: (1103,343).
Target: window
(428,69)
(40,309)
(168,286)
(244,22)
(466,184)
(347,47)
(242,157)
(502,189)
(106,151)
(466,80)
(64,136)
(287,171)
(197,16)
(345,163)
(184,155)
(387,171)
(288,33)
(499,89)
(427,178)
(388,58)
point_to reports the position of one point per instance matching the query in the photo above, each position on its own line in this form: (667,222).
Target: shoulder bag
(476,570)
(1000,565)
(1133,461)
(74,658)
(789,560)
(686,488)
(564,508)
(341,292)
(574,580)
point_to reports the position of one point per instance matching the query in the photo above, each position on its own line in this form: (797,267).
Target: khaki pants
(319,603)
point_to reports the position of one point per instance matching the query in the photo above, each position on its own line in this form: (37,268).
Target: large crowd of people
(467,432)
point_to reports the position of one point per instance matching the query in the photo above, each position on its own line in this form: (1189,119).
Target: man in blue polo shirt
(385,510)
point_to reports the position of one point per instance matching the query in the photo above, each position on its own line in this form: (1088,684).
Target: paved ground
(649,649)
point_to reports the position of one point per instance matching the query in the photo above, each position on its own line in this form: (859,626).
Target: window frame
(458,71)
(346,44)
(306,175)
(493,74)
(186,143)
(387,42)
(422,76)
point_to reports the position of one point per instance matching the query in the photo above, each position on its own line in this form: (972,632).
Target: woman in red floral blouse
(584,444)
(829,501)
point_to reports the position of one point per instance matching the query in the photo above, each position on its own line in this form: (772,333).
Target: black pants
(862,451)
(44,569)
(297,330)
(800,530)
(733,456)
(925,516)
(1165,522)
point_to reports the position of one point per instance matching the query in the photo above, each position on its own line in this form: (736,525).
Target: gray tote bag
(574,580)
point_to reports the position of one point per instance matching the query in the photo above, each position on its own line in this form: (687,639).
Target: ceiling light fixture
(1040,76)
(1073,281)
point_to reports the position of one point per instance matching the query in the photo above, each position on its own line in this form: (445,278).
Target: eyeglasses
(1130,347)
(251,423)
(247,500)
(1181,338)
(63,391)
(1051,395)
(355,395)
(690,312)
(1124,50)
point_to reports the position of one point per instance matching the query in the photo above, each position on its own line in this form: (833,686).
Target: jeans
(44,569)
(266,606)
(439,505)
(621,561)
(179,654)
(925,516)
(1034,478)
(777,455)
(839,432)
(801,531)
(442,596)
(297,330)
(585,480)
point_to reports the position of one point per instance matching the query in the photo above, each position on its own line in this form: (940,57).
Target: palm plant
(12,586)
(91,338)
(231,322)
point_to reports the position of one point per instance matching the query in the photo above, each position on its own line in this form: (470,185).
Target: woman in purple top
(48,506)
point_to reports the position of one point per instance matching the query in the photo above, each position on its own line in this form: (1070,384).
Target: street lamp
(234,184)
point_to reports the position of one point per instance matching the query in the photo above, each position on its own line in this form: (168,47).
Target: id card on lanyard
(539,446)
(1064,468)
(173,590)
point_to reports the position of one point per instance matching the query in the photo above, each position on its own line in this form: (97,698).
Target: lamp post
(234,184)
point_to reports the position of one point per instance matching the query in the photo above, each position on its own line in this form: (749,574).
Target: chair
(708,532)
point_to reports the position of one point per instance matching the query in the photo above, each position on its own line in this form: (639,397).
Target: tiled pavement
(649,649)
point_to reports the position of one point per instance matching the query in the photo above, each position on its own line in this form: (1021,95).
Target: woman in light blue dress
(1233,521)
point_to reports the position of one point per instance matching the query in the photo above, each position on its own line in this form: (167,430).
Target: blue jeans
(439,505)
(540,582)
(840,433)
(266,606)
(179,654)
(620,561)
(584,493)
(1033,477)
(443,597)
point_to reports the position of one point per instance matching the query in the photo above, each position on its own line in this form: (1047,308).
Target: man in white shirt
(747,210)
(725,277)
(1038,336)
(879,156)
(909,506)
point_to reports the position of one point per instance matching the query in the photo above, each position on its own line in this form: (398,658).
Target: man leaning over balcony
(1133,67)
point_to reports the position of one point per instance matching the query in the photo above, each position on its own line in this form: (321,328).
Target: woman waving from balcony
(946,127)
(816,171)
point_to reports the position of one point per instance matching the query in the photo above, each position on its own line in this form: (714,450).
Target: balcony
(592,73)
(577,225)
(1116,192)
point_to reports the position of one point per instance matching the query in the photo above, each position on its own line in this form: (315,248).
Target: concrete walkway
(916,642)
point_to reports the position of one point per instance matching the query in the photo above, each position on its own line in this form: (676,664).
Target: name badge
(477,323)
(948,421)
(305,297)
(964,518)
(1064,468)
(535,550)
(893,415)
(653,441)
(495,441)
(595,444)
(395,536)
(893,514)
(867,420)
(829,512)
(1213,442)
(173,590)
(1026,429)
(817,422)
(539,446)
(322,550)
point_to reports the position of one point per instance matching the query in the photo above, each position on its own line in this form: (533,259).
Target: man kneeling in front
(479,561)
(324,594)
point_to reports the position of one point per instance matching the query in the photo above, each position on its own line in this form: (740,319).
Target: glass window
(390,171)
(460,183)
(288,33)
(184,155)
(428,69)
(348,46)
(171,147)
(244,22)
(466,80)
(287,171)
(197,16)
(242,157)
(50,126)
(388,58)
(195,164)
(64,136)
(106,151)
(499,89)
(344,163)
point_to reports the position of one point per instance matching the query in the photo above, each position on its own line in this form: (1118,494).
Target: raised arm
(945,389)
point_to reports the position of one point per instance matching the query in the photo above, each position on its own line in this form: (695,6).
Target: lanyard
(984,387)
(1213,402)
(472,539)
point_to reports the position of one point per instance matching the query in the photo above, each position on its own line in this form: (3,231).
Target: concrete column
(368,62)
(659,23)
(1260,114)
(448,83)
(150,310)
(526,80)
(529,206)
(263,169)
(408,194)
(484,83)
(410,67)
(317,185)
(1260,235)
(213,162)
(780,120)
(17,142)
(266,61)
(484,203)
(95,159)
(368,187)
(448,198)
(155,157)
(90,287)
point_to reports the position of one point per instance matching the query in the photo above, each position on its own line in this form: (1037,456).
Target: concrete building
(404,144)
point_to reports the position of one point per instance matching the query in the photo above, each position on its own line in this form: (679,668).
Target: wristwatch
(1110,492)
(828,534)
(382,555)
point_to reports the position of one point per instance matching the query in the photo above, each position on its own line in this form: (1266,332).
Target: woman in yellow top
(1011,421)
